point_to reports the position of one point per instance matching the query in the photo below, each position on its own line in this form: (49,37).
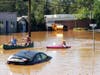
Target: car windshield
(26,54)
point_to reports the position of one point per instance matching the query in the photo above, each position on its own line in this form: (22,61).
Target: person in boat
(13,41)
(27,40)
(64,43)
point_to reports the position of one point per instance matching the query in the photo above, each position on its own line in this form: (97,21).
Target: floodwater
(80,59)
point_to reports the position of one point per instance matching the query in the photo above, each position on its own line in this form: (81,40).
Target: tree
(84,8)
(21,7)
(7,5)
(97,12)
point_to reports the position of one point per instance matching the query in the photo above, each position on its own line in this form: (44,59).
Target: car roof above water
(26,54)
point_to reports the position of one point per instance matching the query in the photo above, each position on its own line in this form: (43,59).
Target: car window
(37,58)
(43,56)
(26,54)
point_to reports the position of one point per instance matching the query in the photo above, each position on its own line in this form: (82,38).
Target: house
(22,24)
(8,22)
(67,20)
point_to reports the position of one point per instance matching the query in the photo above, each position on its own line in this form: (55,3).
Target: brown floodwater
(80,59)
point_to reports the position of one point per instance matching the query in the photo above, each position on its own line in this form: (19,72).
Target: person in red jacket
(27,40)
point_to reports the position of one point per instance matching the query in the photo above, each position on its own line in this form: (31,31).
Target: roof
(27,54)
(19,18)
(60,17)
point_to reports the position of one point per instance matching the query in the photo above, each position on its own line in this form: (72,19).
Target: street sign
(93,25)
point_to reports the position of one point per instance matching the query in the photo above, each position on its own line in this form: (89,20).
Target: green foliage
(37,11)
(7,5)
(97,12)
(39,8)
(84,8)
(97,7)
(82,13)
(21,7)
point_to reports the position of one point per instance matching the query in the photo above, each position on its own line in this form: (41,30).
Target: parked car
(27,57)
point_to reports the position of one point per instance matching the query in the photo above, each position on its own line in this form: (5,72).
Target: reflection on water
(77,60)
(26,70)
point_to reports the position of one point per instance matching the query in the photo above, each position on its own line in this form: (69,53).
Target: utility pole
(29,18)
(93,35)
(93,25)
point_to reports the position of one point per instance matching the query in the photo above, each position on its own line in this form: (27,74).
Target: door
(7,27)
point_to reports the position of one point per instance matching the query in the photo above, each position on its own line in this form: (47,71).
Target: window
(37,58)
(43,56)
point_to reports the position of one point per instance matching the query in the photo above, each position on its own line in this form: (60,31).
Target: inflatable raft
(8,47)
(58,47)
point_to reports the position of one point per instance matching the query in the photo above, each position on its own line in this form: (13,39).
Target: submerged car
(26,57)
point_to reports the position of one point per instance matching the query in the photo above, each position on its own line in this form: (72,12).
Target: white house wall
(58,17)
